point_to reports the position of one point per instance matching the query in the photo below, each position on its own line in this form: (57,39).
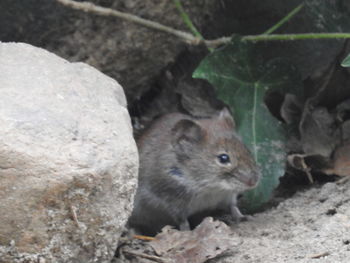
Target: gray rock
(68,161)
(130,53)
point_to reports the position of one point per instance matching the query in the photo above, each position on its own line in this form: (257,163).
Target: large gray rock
(68,161)
(130,53)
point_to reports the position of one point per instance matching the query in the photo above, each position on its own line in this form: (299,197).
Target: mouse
(189,165)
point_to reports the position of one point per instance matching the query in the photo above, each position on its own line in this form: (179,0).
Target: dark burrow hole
(294,181)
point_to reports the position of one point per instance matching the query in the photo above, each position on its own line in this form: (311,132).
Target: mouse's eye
(224,158)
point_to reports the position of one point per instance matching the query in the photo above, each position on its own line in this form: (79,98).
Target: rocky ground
(311,226)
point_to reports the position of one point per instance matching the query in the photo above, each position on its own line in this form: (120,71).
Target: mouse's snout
(250,178)
(254,179)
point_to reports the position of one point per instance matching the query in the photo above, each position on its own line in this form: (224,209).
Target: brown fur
(180,173)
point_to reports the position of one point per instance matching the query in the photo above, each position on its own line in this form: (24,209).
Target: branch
(284,19)
(99,10)
(187,37)
(296,36)
(187,19)
(143,255)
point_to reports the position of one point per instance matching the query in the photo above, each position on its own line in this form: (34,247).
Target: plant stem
(99,10)
(255,102)
(187,19)
(296,36)
(188,22)
(188,37)
(284,19)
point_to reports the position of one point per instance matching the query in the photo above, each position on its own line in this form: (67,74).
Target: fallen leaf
(343,110)
(346,131)
(291,109)
(319,133)
(341,161)
(208,240)
(319,126)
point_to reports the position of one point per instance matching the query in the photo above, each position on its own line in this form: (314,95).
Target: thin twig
(307,170)
(296,36)
(190,25)
(187,19)
(188,37)
(143,255)
(74,215)
(216,42)
(298,161)
(145,238)
(320,255)
(99,10)
(284,19)
(343,180)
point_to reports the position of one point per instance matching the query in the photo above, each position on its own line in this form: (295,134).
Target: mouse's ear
(186,133)
(226,116)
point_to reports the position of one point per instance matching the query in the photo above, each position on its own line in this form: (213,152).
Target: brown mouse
(189,165)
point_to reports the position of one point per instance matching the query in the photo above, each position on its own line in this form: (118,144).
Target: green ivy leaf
(346,62)
(242,80)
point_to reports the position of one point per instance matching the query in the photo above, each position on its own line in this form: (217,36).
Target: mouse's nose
(254,179)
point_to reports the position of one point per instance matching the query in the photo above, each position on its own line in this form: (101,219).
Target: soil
(311,226)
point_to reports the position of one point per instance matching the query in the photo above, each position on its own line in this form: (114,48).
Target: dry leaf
(346,131)
(319,134)
(291,109)
(319,130)
(209,240)
(341,161)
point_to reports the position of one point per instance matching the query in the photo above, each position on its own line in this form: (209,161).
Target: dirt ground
(312,226)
